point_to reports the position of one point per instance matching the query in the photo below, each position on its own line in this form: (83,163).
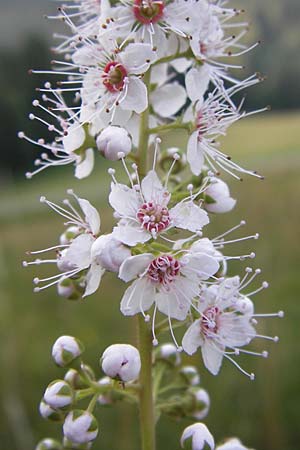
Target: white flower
(232,444)
(59,394)
(170,282)
(80,427)
(121,361)
(73,143)
(113,81)
(196,437)
(66,349)
(75,257)
(226,321)
(144,213)
(217,197)
(113,141)
(106,398)
(152,20)
(212,118)
(109,253)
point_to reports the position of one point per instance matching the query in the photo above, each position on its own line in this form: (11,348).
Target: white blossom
(66,349)
(217,197)
(226,321)
(80,427)
(232,444)
(198,435)
(121,361)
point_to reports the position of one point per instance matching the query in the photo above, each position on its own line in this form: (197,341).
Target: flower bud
(191,375)
(201,404)
(49,413)
(217,197)
(112,141)
(80,427)
(105,399)
(68,445)
(66,349)
(168,352)
(70,234)
(109,253)
(121,361)
(232,444)
(59,395)
(69,289)
(74,378)
(49,444)
(195,437)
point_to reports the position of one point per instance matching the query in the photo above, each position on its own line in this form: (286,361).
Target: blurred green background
(264,413)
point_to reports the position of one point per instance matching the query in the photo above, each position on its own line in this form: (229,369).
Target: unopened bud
(49,413)
(232,444)
(66,349)
(70,289)
(80,427)
(59,395)
(196,437)
(121,361)
(49,444)
(168,352)
(217,197)
(70,234)
(114,142)
(109,253)
(105,399)
(191,375)
(201,403)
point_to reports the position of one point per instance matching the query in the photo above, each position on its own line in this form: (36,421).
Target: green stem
(166,59)
(169,127)
(146,400)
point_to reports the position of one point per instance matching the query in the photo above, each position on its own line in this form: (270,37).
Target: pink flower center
(113,76)
(153,217)
(164,269)
(148,11)
(210,321)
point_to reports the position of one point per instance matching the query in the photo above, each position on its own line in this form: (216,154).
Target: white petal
(137,97)
(197,81)
(192,338)
(91,215)
(137,298)
(159,74)
(201,265)
(167,100)
(74,139)
(153,189)
(79,252)
(124,200)
(137,58)
(134,266)
(212,356)
(84,168)
(93,279)
(131,234)
(195,154)
(181,64)
(188,216)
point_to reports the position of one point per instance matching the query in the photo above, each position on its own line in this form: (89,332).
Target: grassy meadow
(263,413)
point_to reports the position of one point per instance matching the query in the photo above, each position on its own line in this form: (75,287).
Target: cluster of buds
(60,403)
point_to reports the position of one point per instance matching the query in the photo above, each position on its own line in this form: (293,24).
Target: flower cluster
(130,72)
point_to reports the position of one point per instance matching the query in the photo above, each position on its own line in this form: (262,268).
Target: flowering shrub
(118,95)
